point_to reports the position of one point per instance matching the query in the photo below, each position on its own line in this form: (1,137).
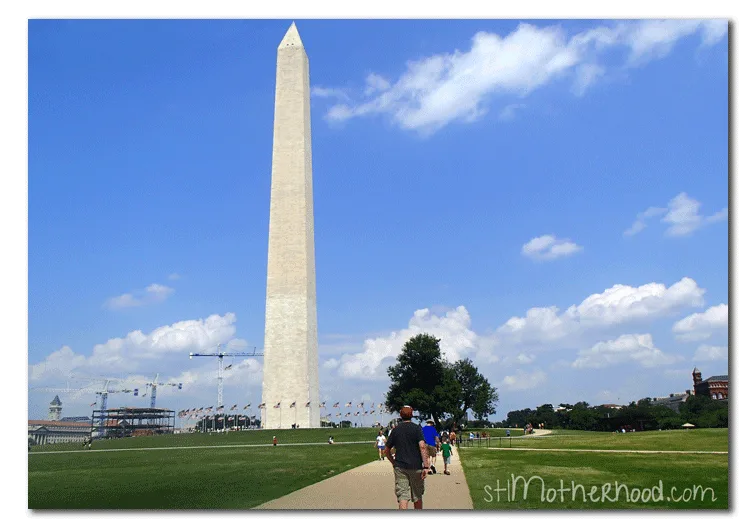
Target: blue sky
(554,193)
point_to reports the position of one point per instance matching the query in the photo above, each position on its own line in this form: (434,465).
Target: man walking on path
(410,462)
(430,434)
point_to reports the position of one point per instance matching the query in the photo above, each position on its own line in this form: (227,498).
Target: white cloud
(681,214)
(640,224)
(684,218)
(525,358)
(542,328)
(149,295)
(137,350)
(701,325)
(548,247)
(453,328)
(710,352)
(510,111)
(457,87)
(375,83)
(523,380)
(616,305)
(318,91)
(637,348)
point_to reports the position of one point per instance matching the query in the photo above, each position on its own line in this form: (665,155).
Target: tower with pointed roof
(56,409)
(697,378)
(290,369)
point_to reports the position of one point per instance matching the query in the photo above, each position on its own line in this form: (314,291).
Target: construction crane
(221,355)
(154,385)
(103,394)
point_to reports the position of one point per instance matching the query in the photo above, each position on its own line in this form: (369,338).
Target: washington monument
(290,370)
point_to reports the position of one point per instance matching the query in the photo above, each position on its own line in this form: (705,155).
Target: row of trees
(436,388)
(699,410)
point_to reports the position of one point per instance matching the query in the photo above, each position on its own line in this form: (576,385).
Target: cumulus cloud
(681,214)
(540,329)
(375,83)
(548,247)
(460,86)
(701,325)
(523,380)
(614,306)
(138,350)
(638,348)
(453,328)
(147,296)
(710,352)
(640,222)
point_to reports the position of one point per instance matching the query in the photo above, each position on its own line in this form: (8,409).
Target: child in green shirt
(446,449)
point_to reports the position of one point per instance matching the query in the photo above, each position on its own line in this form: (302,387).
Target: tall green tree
(435,387)
(418,371)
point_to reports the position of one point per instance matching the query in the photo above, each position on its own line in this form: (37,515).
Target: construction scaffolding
(132,422)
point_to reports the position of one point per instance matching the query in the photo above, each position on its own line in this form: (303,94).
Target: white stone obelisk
(290,370)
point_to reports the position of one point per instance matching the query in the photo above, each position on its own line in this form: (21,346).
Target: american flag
(338,414)
(233,407)
(260,406)
(322,404)
(361,405)
(308,404)
(336,405)
(349,404)
(247,406)
(293,404)
(277,405)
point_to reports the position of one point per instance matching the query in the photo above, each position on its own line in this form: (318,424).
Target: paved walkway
(371,487)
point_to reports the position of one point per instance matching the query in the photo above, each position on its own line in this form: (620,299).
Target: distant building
(52,432)
(56,408)
(78,418)
(673,401)
(612,406)
(716,387)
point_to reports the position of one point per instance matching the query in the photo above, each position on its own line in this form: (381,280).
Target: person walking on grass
(446,451)
(380,444)
(410,463)
(430,434)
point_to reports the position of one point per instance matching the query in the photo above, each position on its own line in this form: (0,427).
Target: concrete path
(371,487)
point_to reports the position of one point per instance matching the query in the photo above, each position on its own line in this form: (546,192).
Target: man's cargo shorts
(409,484)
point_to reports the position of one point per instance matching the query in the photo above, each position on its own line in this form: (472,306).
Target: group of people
(412,451)
(529,427)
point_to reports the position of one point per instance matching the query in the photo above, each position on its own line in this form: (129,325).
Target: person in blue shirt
(432,441)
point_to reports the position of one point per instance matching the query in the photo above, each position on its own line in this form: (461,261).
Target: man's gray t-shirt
(406,438)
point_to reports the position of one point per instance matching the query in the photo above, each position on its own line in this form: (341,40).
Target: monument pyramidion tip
(292,38)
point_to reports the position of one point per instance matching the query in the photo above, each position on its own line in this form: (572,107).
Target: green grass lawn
(688,473)
(228,475)
(262,437)
(216,478)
